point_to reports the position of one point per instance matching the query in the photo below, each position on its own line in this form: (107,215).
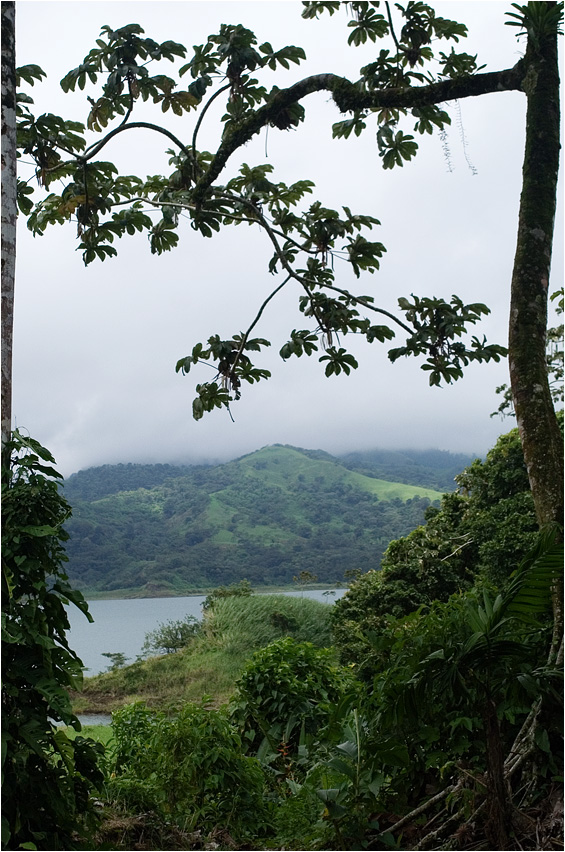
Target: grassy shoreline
(212,662)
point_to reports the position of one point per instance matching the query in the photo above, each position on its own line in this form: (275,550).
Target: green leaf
(542,740)
(29,73)
(39,531)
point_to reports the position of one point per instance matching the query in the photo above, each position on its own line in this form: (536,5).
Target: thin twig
(391,25)
(457,549)
(256,320)
(369,306)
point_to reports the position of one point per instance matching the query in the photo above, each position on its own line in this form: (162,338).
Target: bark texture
(9,207)
(537,423)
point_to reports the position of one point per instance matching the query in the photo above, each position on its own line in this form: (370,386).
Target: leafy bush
(47,777)
(286,687)
(133,728)
(189,766)
(171,636)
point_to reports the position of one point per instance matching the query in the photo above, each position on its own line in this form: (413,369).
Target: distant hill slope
(431,468)
(157,529)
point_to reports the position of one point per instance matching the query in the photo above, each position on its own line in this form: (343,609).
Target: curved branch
(391,25)
(263,222)
(348,97)
(202,114)
(94,149)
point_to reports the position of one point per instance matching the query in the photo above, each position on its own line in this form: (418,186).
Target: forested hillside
(160,529)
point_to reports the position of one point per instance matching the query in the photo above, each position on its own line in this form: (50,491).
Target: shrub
(171,636)
(47,777)
(190,766)
(285,687)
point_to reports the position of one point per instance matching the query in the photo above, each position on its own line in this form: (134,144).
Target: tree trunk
(537,423)
(498,821)
(9,207)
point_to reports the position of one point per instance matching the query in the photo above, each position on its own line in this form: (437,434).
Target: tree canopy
(400,94)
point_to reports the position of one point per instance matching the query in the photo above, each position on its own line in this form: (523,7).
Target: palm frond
(529,591)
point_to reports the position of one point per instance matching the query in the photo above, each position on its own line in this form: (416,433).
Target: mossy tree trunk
(539,431)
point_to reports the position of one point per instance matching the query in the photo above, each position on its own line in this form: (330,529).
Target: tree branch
(201,117)
(369,306)
(420,810)
(256,320)
(261,221)
(348,97)
(94,149)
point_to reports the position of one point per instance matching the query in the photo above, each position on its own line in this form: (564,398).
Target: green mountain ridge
(265,517)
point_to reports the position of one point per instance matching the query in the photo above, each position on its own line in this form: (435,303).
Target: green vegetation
(234,627)
(431,468)
(171,636)
(49,775)
(415,717)
(100,733)
(287,690)
(479,533)
(432,737)
(450,736)
(267,516)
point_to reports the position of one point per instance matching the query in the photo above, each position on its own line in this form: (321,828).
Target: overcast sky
(95,348)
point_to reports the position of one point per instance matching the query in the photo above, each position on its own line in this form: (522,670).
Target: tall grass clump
(244,624)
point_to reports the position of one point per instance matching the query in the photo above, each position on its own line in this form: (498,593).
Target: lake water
(120,625)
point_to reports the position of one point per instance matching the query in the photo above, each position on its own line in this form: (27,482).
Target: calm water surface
(121,625)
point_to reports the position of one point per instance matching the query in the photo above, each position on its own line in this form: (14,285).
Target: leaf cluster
(409,61)
(233,367)
(536,19)
(437,325)
(286,688)
(122,55)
